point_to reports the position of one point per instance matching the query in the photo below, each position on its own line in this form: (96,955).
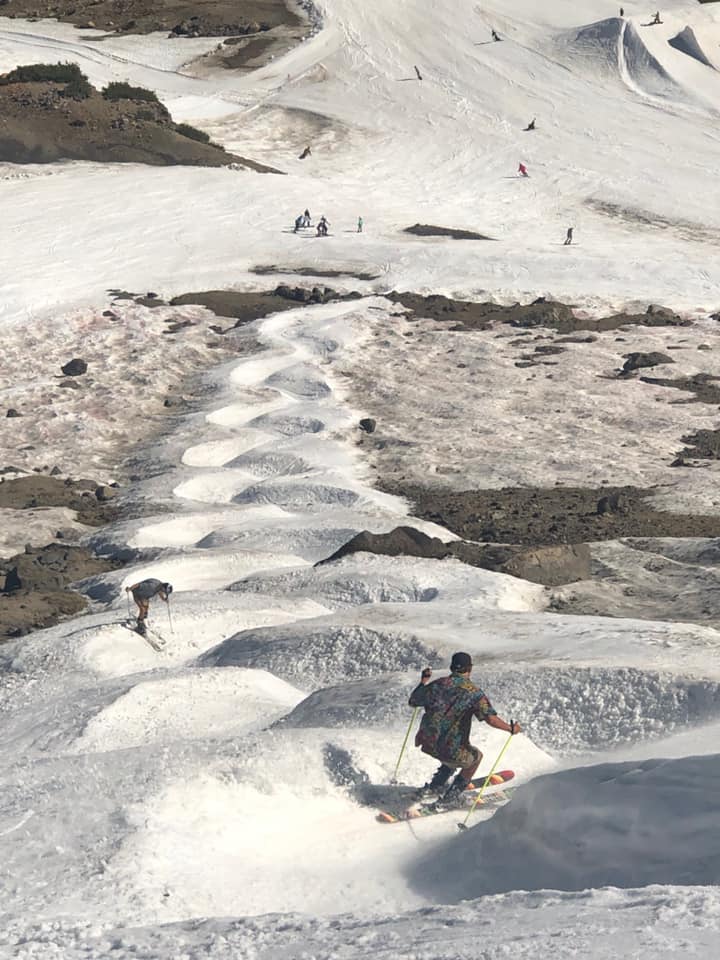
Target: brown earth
(428,230)
(213,17)
(40,125)
(535,516)
(34,584)
(246,306)
(469,315)
(42,491)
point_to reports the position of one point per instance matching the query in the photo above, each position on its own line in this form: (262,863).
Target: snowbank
(621,825)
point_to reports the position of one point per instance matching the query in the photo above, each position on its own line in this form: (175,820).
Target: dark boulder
(75,368)
(634,361)
(367,424)
(402,541)
(12,412)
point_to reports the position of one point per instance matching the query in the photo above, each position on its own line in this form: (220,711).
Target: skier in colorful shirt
(450,704)
(142,593)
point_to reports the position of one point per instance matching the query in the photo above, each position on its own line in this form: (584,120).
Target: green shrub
(45,73)
(123,91)
(79,89)
(185,130)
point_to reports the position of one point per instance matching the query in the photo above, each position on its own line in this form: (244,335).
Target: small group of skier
(302,221)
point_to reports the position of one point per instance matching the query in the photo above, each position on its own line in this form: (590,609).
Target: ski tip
(383,817)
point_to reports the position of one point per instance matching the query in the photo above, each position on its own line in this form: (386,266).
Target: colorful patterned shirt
(450,704)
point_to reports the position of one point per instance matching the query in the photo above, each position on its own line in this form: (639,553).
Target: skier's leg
(143,607)
(469,757)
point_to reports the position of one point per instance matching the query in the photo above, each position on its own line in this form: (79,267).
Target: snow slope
(185,803)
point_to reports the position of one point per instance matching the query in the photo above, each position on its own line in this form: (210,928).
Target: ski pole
(402,750)
(127,597)
(463,825)
(172,628)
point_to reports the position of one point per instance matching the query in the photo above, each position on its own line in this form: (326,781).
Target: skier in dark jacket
(450,704)
(143,592)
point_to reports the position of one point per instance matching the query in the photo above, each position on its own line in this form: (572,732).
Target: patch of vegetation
(78,89)
(45,73)
(123,91)
(185,130)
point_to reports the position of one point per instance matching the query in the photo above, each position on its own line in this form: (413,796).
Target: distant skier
(142,593)
(495,36)
(419,75)
(306,218)
(322,227)
(568,237)
(656,19)
(622,12)
(450,704)
(306,153)
(360,225)
(531,125)
(299,223)
(522,169)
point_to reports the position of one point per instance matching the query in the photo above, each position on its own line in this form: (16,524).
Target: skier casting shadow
(531,125)
(450,704)
(142,593)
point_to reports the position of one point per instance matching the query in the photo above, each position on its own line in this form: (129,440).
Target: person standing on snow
(531,125)
(299,222)
(494,35)
(450,704)
(322,227)
(306,218)
(522,169)
(360,225)
(568,237)
(143,592)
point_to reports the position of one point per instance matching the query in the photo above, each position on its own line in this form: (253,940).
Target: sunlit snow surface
(180,804)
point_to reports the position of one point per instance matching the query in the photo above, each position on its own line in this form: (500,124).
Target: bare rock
(634,361)
(367,424)
(75,367)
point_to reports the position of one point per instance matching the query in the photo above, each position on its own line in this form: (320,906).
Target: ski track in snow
(181,803)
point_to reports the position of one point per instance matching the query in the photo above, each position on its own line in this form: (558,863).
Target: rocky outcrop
(635,361)
(550,566)
(52,567)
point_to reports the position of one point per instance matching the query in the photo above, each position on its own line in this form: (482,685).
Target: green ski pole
(402,751)
(463,825)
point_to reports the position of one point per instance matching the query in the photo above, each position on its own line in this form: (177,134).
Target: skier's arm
(418,696)
(495,721)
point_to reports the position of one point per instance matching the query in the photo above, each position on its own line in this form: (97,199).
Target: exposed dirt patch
(244,306)
(33,584)
(428,230)
(469,315)
(536,516)
(22,493)
(22,612)
(271,269)
(41,123)
(703,386)
(204,18)
(703,445)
